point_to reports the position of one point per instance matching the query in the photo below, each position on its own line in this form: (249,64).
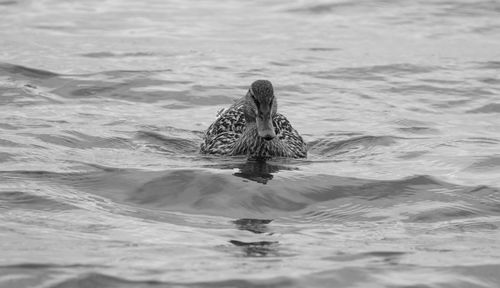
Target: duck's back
(221,136)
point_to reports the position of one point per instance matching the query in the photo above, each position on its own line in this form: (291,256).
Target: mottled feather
(230,134)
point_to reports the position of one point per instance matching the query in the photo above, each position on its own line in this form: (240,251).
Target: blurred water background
(102,109)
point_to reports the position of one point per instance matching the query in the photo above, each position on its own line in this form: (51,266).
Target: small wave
(137,86)
(225,192)
(491,163)
(493,65)
(475,9)
(82,141)
(8,143)
(330,148)
(31,73)
(324,7)
(373,73)
(117,55)
(444,212)
(435,89)
(22,200)
(4,157)
(488,108)
(386,256)
(167,143)
(101,280)
(419,130)
(8,3)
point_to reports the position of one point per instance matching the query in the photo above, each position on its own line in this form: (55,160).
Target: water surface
(103,105)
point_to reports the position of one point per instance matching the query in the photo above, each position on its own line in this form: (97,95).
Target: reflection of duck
(257,249)
(258,171)
(253,127)
(257,226)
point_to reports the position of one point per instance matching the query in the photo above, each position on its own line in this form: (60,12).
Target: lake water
(103,105)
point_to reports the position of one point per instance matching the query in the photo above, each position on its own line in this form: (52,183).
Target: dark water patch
(486,164)
(489,65)
(218,192)
(374,190)
(442,81)
(384,256)
(341,213)
(491,81)
(117,75)
(481,140)
(487,274)
(92,91)
(22,200)
(468,227)
(30,73)
(82,141)
(4,157)
(104,281)
(252,74)
(166,143)
(419,130)
(28,94)
(177,106)
(138,89)
(117,55)
(221,194)
(372,73)
(345,74)
(403,89)
(486,29)
(7,126)
(331,148)
(488,108)
(444,214)
(279,64)
(452,103)
(8,143)
(59,28)
(465,9)
(8,3)
(323,49)
(412,122)
(400,69)
(413,154)
(200,190)
(35,265)
(323,8)
(137,86)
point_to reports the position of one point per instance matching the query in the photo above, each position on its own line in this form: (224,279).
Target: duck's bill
(265,128)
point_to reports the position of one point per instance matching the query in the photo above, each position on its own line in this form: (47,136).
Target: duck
(253,127)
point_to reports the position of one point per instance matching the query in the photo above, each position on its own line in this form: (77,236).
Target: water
(102,109)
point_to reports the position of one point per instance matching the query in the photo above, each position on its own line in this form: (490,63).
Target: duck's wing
(223,133)
(289,136)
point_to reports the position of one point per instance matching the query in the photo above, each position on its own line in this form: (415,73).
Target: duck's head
(260,108)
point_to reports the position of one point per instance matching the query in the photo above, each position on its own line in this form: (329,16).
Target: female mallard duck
(252,127)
